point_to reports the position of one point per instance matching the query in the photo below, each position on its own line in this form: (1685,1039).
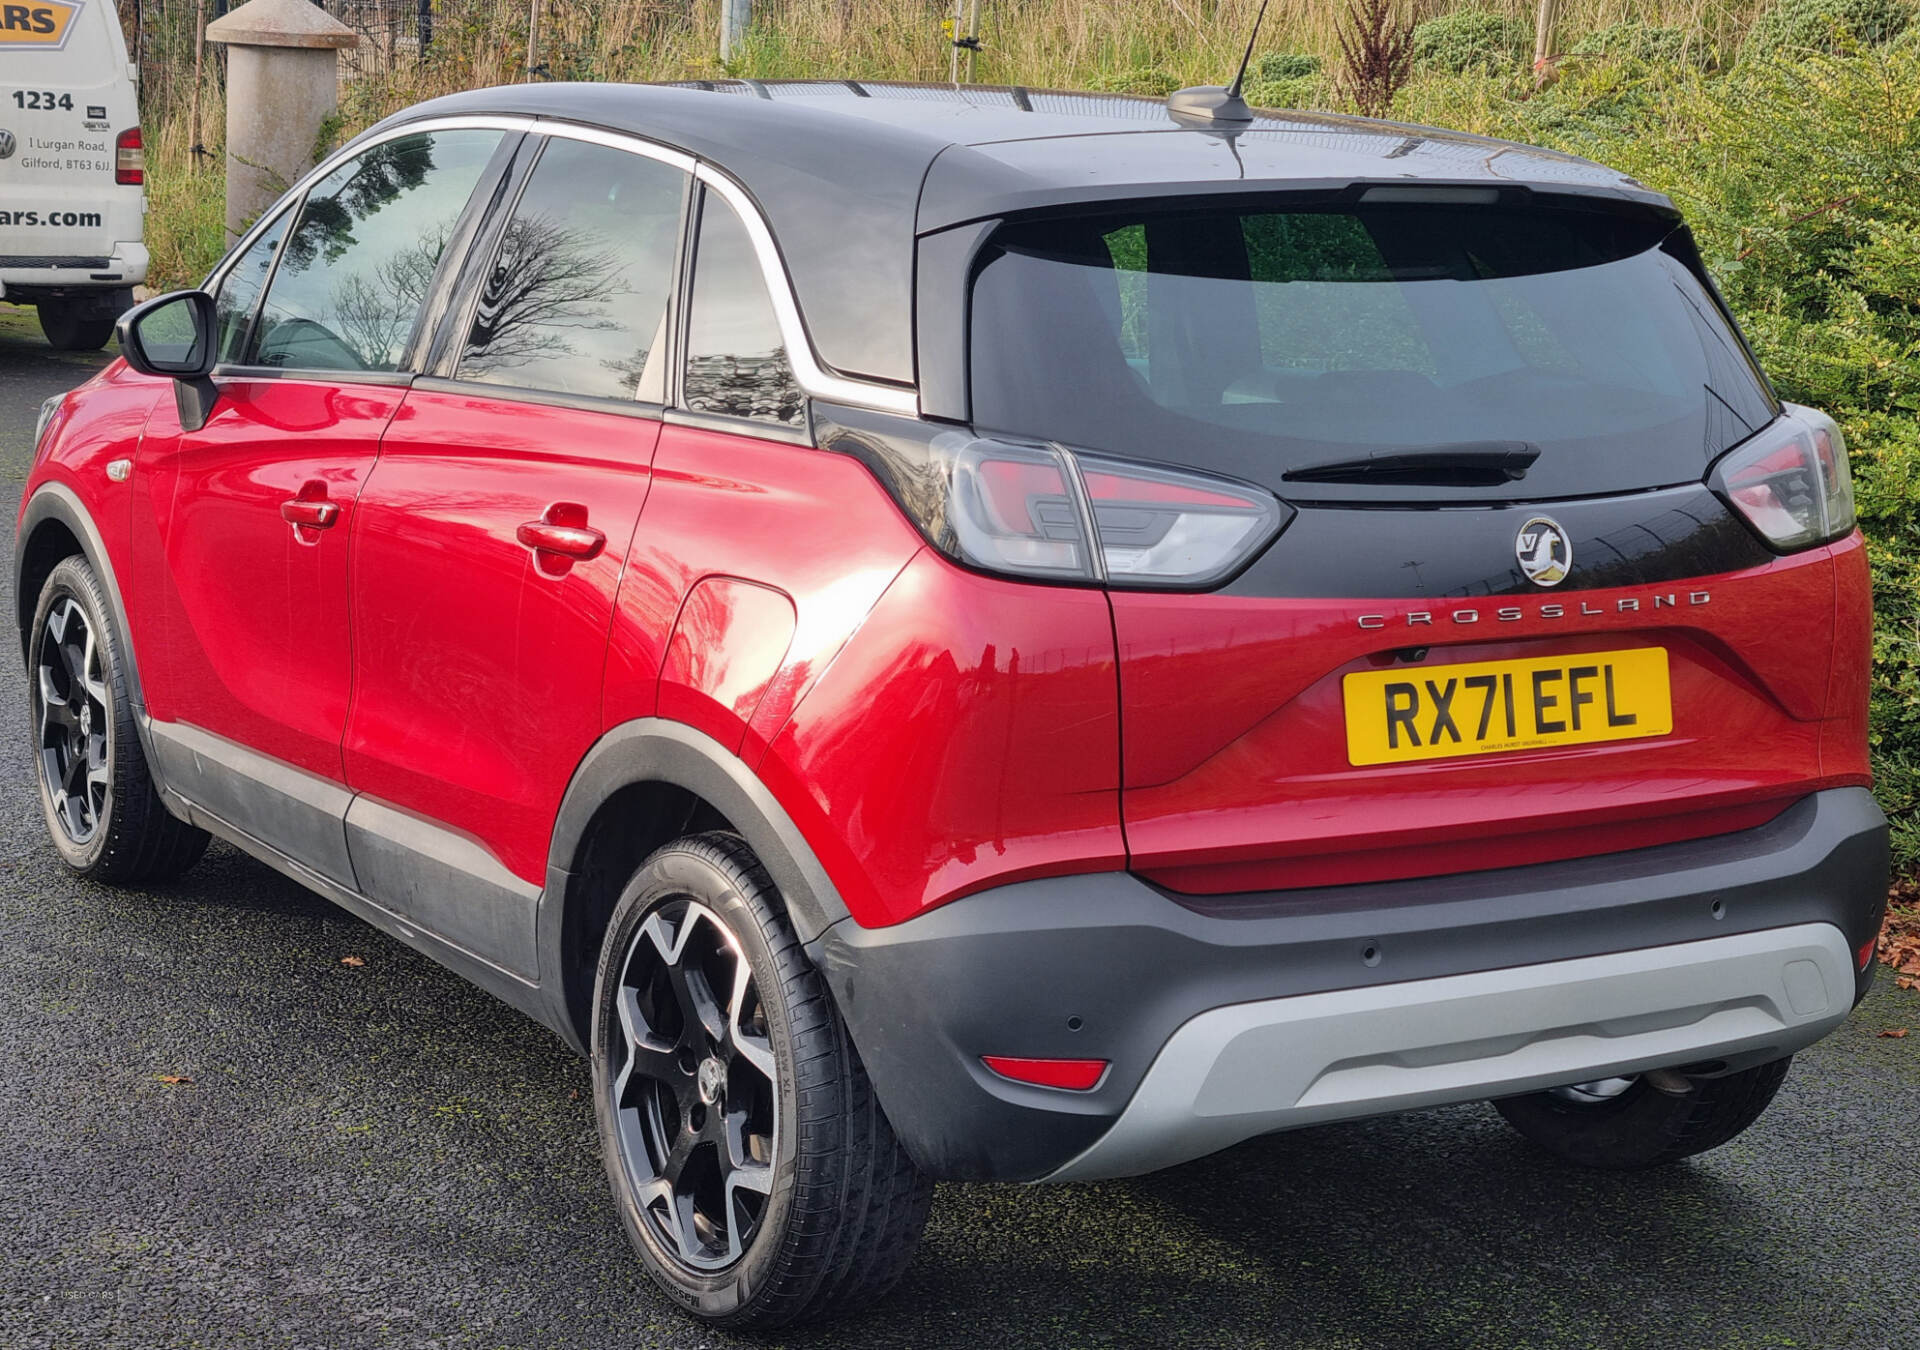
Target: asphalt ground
(380,1155)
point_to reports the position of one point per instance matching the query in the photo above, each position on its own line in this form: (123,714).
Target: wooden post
(973,34)
(1543,26)
(953,60)
(735,16)
(194,147)
(533,36)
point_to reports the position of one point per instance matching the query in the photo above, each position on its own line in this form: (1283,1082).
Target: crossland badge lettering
(1545,552)
(40,24)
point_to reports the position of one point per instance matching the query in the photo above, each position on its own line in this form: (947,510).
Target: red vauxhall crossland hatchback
(979,633)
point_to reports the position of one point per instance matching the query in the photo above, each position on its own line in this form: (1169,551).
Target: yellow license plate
(1483,707)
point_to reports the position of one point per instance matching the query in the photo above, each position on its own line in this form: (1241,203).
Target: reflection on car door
(248,517)
(490,543)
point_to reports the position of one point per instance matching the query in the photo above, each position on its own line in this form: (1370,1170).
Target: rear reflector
(129,158)
(1868,950)
(1074,1075)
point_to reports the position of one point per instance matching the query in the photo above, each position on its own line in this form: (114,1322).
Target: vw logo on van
(1544,551)
(7,144)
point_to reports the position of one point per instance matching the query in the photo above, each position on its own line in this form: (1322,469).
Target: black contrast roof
(848,173)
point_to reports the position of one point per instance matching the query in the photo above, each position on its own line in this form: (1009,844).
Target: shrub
(1140,80)
(1306,92)
(1653,44)
(1825,25)
(1276,66)
(1470,40)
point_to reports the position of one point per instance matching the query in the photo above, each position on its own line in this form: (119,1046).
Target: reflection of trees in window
(379,177)
(760,386)
(374,317)
(548,279)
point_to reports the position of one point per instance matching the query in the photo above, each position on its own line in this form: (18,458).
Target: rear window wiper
(1467,464)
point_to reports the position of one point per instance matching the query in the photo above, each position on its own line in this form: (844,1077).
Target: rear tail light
(1043,511)
(129,158)
(1868,950)
(1791,482)
(1071,1075)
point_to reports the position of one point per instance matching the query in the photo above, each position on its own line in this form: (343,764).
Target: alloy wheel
(70,688)
(692,1078)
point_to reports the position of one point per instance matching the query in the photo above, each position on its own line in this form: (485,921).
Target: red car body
(435,614)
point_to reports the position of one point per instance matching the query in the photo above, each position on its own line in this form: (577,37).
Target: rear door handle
(563,531)
(311,508)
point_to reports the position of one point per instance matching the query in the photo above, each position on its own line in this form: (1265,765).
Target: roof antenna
(1210,102)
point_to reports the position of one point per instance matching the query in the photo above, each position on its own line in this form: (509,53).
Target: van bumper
(1226,1017)
(27,279)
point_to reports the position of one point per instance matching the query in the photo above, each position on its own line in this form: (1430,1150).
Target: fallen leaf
(573,1096)
(1906,982)
(174,1078)
(353,960)
(1897,1034)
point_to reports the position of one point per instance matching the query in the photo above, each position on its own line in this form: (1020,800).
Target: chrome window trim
(813,377)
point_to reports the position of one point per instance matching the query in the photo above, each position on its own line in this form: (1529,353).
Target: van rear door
(66,97)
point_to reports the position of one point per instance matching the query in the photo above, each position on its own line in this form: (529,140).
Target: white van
(72,170)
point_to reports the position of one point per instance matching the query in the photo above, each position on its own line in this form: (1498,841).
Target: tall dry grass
(1040,43)
(1132,44)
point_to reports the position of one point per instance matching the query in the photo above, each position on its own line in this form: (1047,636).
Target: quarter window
(576,301)
(736,361)
(356,269)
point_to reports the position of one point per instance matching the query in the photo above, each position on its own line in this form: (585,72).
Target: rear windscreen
(1267,343)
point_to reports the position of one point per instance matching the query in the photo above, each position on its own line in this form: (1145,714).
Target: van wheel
(753,1169)
(1624,1124)
(102,808)
(74,328)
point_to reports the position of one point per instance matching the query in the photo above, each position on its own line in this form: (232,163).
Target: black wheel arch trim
(55,501)
(656,750)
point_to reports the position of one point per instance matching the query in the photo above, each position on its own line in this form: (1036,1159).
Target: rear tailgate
(1242,770)
(1506,618)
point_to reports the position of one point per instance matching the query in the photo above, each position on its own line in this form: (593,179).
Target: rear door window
(356,270)
(1264,342)
(576,300)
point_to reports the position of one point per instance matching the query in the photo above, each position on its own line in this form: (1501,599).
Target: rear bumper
(1252,1068)
(24,280)
(1230,1016)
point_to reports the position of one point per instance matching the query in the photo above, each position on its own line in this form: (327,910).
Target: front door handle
(562,532)
(311,509)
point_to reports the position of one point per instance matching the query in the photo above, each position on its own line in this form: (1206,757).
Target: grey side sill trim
(504,984)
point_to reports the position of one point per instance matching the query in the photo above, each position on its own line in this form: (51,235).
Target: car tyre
(74,328)
(752,1165)
(98,795)
(1635,1125)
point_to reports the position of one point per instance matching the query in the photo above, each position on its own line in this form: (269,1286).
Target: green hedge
(1471,40)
